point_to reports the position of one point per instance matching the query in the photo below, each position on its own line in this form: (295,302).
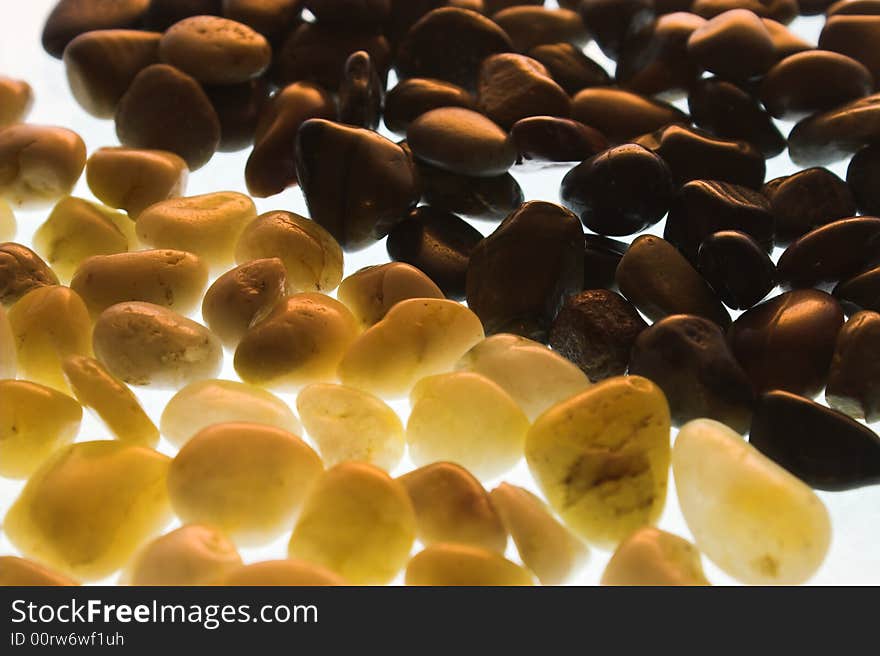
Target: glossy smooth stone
(854,379)
(737,267)
(70,18)
(856,37)
(372,291)
(35,422)
(783,11)
(550,140)
(87,510)
(190,555)
(111,400)
(358,522)
(437,243)
(130,179)
(596,330)
(274,19)
(825,448)
(570,67)
(785,42)
(651,557)
(21,271)
(861,292)
(752,518)
(273,573)
(15,571)
(359,193)
(530,26)
(679,289)
(166,109)
(16,100)
(417,338)
(813,81)
(425,52)
(361,93)
(602,457)
(807,200)
(695,155)
(825,138)
(787,342)
(102,64)
(601,257)
(689,359)
(620,191)
(207,402)
(238,108)
(735,44)
(464,565)
(300,341)
(863,178)
(622,115)
(452,506)
(415,96)
(486,199)
(611,21)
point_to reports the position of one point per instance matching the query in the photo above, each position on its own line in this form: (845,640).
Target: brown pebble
(529,26)
(16,99)
(70,18)
(854,378)
(734,44)
(274,19)
(238,107)
(856,37)
(361,93)
(621,115)
(22,270)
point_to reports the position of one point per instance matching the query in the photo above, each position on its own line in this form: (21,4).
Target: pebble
(856,37)
(860,292)
(16,100)
(785,42)
(22,271)
(862,176)
(531,26)
(623,115)
(238,108)
(570,67)
(737,267)
(416,96)
(783,11)
(753,519)
(651,557)
(16,571)
(464,565)
(611,22)
(8,356)
(361,93)
(70,18)
(274,573)
(372,291)
(854,378)
(162,14)
(712,45)
(852,7)
(274,19)
(601,257)
(484,199)
(830,136)
(550,140)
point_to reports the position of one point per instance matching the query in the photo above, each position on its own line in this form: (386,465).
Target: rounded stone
(737,267)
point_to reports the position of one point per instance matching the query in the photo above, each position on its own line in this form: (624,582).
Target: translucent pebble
(464,565)
(287,572)
(15,571)
(656,558)
(372,291)
(8,358)
(8,226)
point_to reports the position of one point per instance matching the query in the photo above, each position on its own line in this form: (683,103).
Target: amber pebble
(862,176)
(787,342)
(830,136)
(166,109)
(415,96)
(621,115)
(542,140)
(856,37)
(530,26)
(70,18)
(288,572)
(16,99)
(486,199)
(735,44)
(611,21)
(359,193)
(601,257)
(861,292)
(22,270)
(8,356)
(651,557)
(464,565)
(570,67)
(372,291)
(783,11)
(15,571)
(101,65)
(238,108)
(274,19)
(519,275)
(361,92)
(737,267)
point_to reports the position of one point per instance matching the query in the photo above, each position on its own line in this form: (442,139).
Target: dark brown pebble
(530,26)
(166,109)
(596,330)
(861,292)
(570,67)
(610,22)
(405,14)
(836,134)
(734,45)
(438,243)
(863,178)
(162,14)
(357,184)
(519,275)
(853,8)
(274,19)
(413,97)
(22,270)
(856,37)
(824,448)
(689,359)
(485,199)
(602,256)
(663,7)
(814,7)
(783,11)
(737,267)
(494,6)
(659,281)
(854,380)
(70,18)
(785,42)
(349,11)
(548,139)
(361,93)
(621,115)
(787,342)
(238,107)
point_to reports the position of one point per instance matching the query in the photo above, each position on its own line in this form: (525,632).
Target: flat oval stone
(611,21)
(656,558)
(550,140)
(486,199)
(787,342)
(530,26)
(519,275)
(70,18)
(359,193)
(361,92)
(621,115)
(620,191)
(689,359)
(737,267)
(856,37)
(238,107)
(861,292)
(854,379)
(601,257)
(734,44)
(570,67)
(596,330)
(825,138)
(415,96)
(863,178)
(823,447)
(678,290)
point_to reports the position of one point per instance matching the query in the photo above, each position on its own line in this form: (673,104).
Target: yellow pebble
(348,424)
(534,375)
(16,100)
(8,358)
(207,402)
(452,506)
(465,418)
(287,572)
(545,546)
(300,341)
(89,507)
(750,516)
(249,480)
(417,338)
(601,458)
(21,572)
(654,558)
(465,565)
(35,421)
(49,324)
(190,555)
(358,522)
(112,401)
(8,226)
(372,291)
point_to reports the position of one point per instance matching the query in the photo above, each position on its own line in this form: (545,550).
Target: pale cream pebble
(208,225)
(464,565)
(452,506)
(131,179)
(35,421)
(190,555)
(752,518)
(372,291)
(111,399)
(534,375)
(248,480)
(417,338)
(89,507)
(208,402)
(311,256)
(349,424)
(357,522)
(545,546)
(287,572)
(8,357)
(16,100)
(78,229)
(300,341)
(150,345)
(49,324)
(601,458)
(8,225)
(465,418)
(651,557)
(21,572)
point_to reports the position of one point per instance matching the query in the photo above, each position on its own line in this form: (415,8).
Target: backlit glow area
(854,557)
